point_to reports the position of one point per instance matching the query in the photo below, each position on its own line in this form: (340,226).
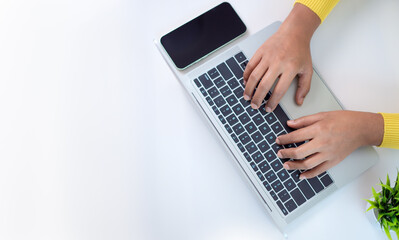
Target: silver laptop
(216,87)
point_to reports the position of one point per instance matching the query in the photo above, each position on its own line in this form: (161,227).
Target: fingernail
(268,109)
(286,166)
(278,141)
(279,154)
(290,121)
(246,97)
(254,106)
(302,177)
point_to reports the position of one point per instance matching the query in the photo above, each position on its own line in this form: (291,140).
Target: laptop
(215,86)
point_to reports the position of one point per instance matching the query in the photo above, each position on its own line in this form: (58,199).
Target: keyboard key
(271,138)
(203,91)
(228,128)
(231,100)
(290,205)
(238,109)
(213,73)
(244,64)
(270,156)
(197,83)
(251,111)
(241,147)
(244,118)
(257,157)
(238,129)
(283,175)
(209,100)
(282,208)
(316,184)
(267,186)
(264,166)
(306,189)
(225,110)
(295,175)
(244,102)
(276,147)
(264,129)
(277,186)
(232,120)
(260,176)
(223,69)
(219,101)
(248,157)
(280,114)
(216,110)
(284,196)
(240,57)
(256,136)
(276,127)
(276,165)
(221,119)
(326,180)
(254,167)
(235,68)
(263,146)
(244,138)
(239,92)
(298,197)
(270,118)
(225,91)
(235,138)
(251,147)
(250,127)
(213,92)
(205,81)
(219,82)
(290,145)
(274,195)
(233,83)
(289,184)
(270,176)
(258,119)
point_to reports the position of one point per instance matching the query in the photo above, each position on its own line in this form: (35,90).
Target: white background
(99,141)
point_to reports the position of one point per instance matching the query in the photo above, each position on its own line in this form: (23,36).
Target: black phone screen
(203,35)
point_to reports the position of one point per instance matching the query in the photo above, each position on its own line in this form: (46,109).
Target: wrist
(301,23)
(373,129)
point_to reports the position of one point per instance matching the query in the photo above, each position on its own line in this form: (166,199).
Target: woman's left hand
(332,136)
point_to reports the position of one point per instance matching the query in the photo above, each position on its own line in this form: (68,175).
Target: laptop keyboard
(254,132)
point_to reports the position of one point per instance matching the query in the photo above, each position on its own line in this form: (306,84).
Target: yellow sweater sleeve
(321,7)
(391,130)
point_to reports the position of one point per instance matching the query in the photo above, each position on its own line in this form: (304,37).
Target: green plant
(386,205)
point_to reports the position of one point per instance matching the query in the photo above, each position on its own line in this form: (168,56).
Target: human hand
(332,137)
(284,55)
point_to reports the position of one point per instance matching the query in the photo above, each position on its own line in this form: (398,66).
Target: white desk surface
(99,141)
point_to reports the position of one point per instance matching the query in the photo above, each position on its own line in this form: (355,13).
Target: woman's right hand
(283,56)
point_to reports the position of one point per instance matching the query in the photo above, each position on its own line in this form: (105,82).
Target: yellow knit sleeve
(321,7)
(391,130)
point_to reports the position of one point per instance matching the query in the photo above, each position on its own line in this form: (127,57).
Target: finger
(296,136)
(306,164)
(300,152)
(264,86)
(254,78)
(280,89)
(305,121)
(316,171)
(253,62)
(304,82)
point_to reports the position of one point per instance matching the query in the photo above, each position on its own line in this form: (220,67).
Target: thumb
(303,87)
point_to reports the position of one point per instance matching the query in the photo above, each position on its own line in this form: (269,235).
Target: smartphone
(203,35)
